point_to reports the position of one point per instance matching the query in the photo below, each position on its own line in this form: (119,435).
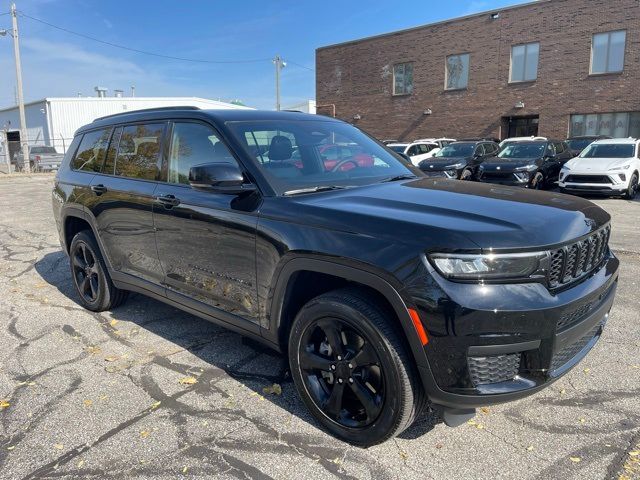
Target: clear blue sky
(56,63)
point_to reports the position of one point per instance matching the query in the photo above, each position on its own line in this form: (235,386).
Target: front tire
(466,175)
(352,369)
(632,190)
(538,181)
(90,276)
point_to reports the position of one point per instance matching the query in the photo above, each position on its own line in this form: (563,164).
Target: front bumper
(610,184)
(509,179)
(496,343)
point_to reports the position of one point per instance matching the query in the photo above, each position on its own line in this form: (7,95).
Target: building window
(457,72)
(403,79)
(617,125)
(524,62)
(607,52)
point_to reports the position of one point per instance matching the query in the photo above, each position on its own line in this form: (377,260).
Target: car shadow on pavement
(254,365)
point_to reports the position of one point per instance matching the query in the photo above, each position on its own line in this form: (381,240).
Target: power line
(143,52)
(299,65)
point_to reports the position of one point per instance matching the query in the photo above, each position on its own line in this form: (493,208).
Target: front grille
(493,369)
(569,352)
(569,318)
(587,179)
(496,175)
(573,261)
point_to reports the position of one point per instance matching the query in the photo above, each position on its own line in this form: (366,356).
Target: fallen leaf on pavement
(80,463)
(58,446)
(4,404)
(88,403)
(275,389)
(188,381)
(587,370)
(155,405)
(530,448)
(11,447)
(634,453)
(113,322)
(144,433)
(575,459)
(93,350)
(111,358)
(184,470)
(485,410)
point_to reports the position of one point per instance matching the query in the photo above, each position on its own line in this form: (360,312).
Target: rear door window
(139,151)
(92,150)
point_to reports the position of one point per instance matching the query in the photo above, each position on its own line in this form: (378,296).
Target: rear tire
(632,191)
(352,369)
(90,276)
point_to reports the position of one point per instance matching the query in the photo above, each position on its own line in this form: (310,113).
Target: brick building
(550,67)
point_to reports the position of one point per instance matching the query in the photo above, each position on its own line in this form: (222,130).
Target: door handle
(168,200)
(98,189)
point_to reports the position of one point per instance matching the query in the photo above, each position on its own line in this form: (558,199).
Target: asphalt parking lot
(147,391)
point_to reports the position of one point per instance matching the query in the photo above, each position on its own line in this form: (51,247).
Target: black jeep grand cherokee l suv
(386,289)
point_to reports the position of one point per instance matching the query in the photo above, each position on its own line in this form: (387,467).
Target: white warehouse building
(53,121)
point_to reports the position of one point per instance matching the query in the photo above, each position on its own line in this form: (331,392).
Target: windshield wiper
(404,176)
(318,188)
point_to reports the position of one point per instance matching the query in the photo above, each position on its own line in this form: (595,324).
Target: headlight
(488,266)
(526,168)
(623,167)
(522,176)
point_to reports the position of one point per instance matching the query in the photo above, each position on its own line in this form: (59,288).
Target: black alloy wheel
(342,372)
(90,275)
(85,272)
(351,367)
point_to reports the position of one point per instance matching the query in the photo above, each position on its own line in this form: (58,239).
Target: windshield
(608,150)
(43,150)
(457,150)
(523,150)
(305,154)
(397,148)
(579,144)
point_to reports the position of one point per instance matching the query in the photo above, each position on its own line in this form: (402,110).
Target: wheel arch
(283,304)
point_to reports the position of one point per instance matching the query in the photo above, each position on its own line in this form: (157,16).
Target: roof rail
(147,110)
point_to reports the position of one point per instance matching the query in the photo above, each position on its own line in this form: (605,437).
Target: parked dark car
(459,159)
(529,163)
(579,143)
(388,291)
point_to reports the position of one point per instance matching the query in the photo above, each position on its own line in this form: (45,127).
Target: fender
(82,213)
(348,272)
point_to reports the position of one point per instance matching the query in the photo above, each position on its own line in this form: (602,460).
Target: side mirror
(220,177)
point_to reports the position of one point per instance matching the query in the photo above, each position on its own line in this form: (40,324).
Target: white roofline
(117,99)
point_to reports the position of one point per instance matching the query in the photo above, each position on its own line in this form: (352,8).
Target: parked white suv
(441,142)
(607,167)
(416,151)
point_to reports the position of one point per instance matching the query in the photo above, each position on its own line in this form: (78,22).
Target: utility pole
(23,123)
(280,64)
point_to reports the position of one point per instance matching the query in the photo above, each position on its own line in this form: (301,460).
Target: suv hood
(439,163)
(508,164)
(450,214)
(596,164)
